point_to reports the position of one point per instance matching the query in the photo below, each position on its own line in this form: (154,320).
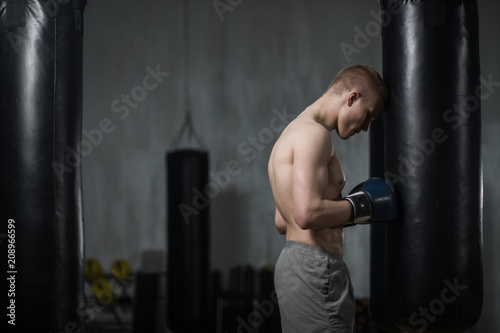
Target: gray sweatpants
(314,290)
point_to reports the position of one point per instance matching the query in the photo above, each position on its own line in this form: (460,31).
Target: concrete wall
(259,61)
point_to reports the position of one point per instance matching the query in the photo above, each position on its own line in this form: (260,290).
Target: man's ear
(352,97)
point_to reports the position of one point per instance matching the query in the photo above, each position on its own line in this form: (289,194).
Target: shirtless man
(311,280)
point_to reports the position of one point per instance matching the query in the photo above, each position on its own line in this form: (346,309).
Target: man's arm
(310,179)
(279,222)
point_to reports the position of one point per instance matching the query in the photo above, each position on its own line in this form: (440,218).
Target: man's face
(359,111)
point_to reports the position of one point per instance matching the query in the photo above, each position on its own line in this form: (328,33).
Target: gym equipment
(432,130)
(122,274)
(372,201)
(188,202)
(120,269)
(378,305)
(188,241)
(40,174)
(93,269)
(149,304)
(103,292)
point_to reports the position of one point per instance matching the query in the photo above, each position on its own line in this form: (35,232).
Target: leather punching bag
(432,130)
(379,308)
(188,241)
(40,170)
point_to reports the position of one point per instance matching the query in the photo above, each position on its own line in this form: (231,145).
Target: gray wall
(247,65)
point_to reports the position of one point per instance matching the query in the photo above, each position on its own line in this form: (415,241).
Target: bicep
(310,171)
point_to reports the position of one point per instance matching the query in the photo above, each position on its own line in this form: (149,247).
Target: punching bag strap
(14,14)
(434,13)
(79,7)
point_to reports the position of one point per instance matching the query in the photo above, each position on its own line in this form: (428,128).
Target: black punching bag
(379,308)
(432,132)
(40,171)
(188,241)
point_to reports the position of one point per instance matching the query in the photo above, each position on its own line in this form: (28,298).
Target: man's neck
(325,111)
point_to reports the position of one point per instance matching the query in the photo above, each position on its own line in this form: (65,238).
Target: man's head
(364,95)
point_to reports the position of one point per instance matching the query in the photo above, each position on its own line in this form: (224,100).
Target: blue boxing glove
(372,201)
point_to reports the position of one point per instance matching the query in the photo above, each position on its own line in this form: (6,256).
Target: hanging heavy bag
(40,170)
(433,158)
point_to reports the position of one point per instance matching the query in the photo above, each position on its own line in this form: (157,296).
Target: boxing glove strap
(361,207)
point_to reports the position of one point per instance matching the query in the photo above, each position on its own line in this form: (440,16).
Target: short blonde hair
(356,77)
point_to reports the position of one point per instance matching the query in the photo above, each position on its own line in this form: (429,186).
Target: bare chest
(336,179)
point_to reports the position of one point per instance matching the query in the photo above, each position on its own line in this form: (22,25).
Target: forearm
(326,214)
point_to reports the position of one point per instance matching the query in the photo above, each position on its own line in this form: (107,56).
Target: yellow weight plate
(93,270)
(102,291)
(121,269)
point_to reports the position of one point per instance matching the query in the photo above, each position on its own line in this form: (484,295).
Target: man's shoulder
(304,133)
(310,130)
(310,138)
